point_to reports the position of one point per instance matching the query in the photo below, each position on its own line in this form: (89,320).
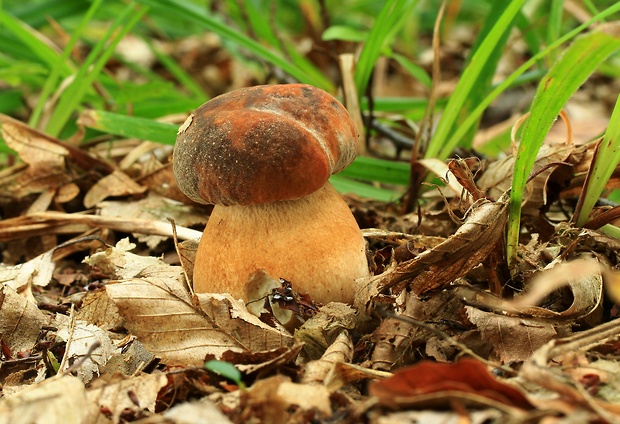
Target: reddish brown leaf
(468,376)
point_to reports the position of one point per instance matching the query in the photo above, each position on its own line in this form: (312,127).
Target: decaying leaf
(37,271)
(438,383)
(86,343)
(277,400)
(117,393)
(53,401)
(323,370)
(20,320)
(453,258)
(116,184)
(512,338)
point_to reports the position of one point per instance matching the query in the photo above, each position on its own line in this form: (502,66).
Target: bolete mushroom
(263,156)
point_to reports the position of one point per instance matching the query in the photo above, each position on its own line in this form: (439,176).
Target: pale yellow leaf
(53,401)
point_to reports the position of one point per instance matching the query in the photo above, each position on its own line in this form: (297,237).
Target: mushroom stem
(314,242)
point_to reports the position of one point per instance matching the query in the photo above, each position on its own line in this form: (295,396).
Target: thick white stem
(313,242)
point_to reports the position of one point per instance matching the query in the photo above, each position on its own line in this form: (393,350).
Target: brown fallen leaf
(56,400)
(118,393)
(461,252)
(512,338)
(115,184)
(323,370)
(278,400)
(158,309)
(20,321)
(467,379)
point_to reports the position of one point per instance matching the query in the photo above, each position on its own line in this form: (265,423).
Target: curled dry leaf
(321,330)
(439,383)
(324,370)
(461,252)
(582,276)
(37,271)
(20,320)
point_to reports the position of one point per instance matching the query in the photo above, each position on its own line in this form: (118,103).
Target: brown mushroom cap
(263,144)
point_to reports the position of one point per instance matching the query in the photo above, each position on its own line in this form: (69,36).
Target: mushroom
(263,156)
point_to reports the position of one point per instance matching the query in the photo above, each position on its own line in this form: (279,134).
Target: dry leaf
(321,330)
(37,271)
(467,379)
(277,400)
(118,393)
(456,256)
(79,338)
(512,338)
(162,315)
(115,184)
(97,309)
(324,370)
(20,320)
(202,411)
(53,401)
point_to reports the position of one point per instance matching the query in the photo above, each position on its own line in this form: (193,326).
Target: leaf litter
(98,321)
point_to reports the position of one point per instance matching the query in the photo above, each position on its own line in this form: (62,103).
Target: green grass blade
(129,126)
(347,185)
(188,11)
(389,21)
(52,79)
(178,72)
(379,170)
(86,75)
(512,78)
(441,145)
(32,40)
(606,162)
(571,70)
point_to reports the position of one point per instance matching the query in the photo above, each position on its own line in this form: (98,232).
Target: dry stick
(417,173)
(351,99)
(190,289)
(13,228)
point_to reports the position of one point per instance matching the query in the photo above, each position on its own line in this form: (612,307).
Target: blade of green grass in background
(571,70)
(197,15)
(92,67)
(555,24)
(34,44)
(483,80)
(438,145)
(388,23)
(52,80)
(604,165)
(129,126)
(178,72)
(475,114)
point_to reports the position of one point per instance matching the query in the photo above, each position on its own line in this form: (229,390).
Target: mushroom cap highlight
(263,144)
